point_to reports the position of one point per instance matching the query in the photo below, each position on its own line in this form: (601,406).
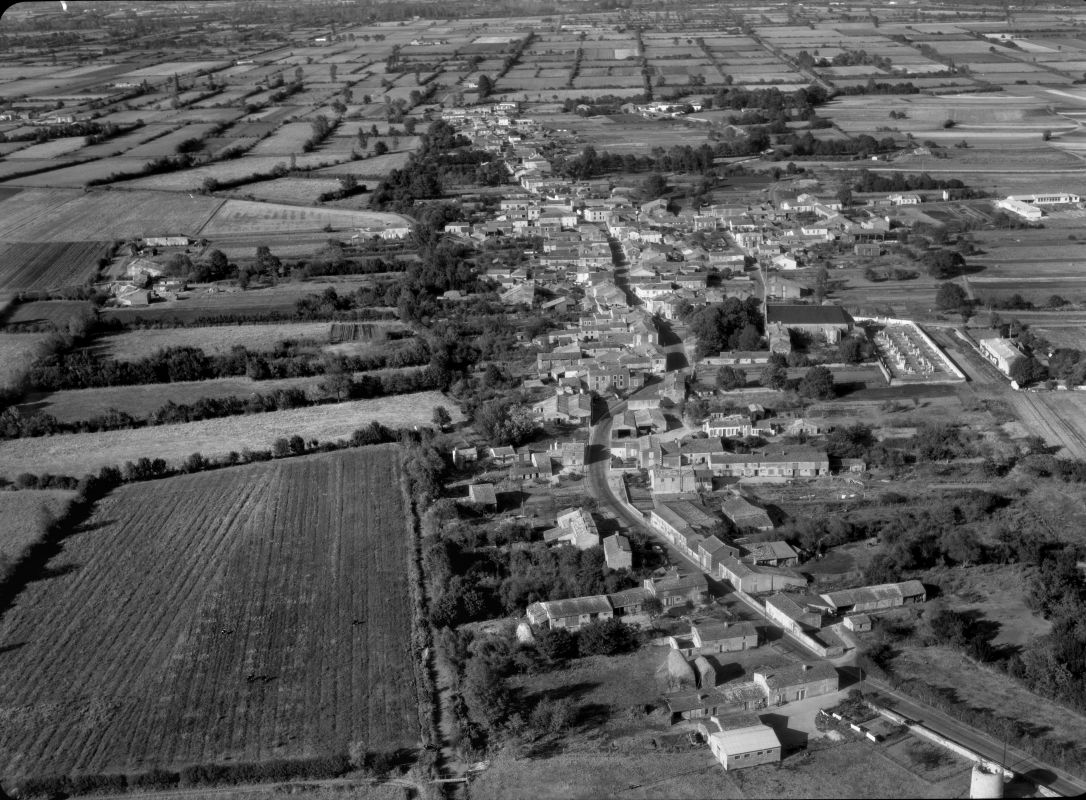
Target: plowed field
(245,614)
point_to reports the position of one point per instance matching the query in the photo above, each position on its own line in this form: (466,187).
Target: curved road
(1032,768)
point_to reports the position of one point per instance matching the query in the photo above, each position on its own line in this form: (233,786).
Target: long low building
(772,463)
(874,598)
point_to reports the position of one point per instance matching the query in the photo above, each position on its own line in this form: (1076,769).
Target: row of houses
(669,588)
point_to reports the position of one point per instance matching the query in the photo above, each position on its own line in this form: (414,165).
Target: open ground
(241,615)
(81,453)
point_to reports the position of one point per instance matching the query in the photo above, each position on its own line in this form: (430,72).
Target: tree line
(82,369)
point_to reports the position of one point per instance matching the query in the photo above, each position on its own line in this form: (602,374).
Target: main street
(1032,768)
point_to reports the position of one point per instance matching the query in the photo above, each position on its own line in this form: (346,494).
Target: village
(650,449)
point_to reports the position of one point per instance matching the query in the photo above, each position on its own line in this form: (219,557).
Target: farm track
(252,613)
(1036,414)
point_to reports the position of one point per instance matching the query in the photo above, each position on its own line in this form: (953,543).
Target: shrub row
(59,786)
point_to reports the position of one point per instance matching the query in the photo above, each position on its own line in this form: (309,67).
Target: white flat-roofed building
(1057,199)
(1025,210)
(745,747)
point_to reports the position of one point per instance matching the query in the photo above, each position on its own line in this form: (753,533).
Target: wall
(939,739)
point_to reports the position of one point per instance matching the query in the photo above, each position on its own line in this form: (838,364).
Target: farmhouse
(796,682)
(771,554)
(575,527)
(719,637)
(771,464)
(829,322)
(572,614)
(167,241)
(754,579)
(874,598)
(616,552)
(1002,353)
(745,747)
(483,494)
(791,615)
(673,589)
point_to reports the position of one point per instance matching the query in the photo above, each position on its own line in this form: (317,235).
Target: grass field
(51,312)
(852,769)
(217,339)
(280,629)
(80,453)
(303,191)
(25,515)
(987,688)
(17,350)
(139,401)
(48,265)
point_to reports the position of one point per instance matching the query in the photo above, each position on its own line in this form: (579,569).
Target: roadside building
(796,682)
(791,615)
(770,554)
(720,637)
(673,589)
(1002,353)
(617,553)
(876,598)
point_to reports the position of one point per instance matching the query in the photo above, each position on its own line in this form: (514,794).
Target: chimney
(806,667)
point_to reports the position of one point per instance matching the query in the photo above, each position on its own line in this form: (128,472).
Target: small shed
(706,672)
(858,622)
(483,494)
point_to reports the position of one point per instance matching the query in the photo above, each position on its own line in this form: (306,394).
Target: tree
(441,417)
(951,297)
(379,148)
(655,185)
(486,86)
(822,283)
(729,378)
(332,72)
(337,383)
(1025,371)
(774,376)
(606,638)
(817,384)
(557,644)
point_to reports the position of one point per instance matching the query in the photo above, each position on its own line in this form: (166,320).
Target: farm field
(300,191)
(17,351)
(48,265)
(237,169)
(80,453)
(246,216)
(246,649)
(25,515)
(67,215)
(375,167)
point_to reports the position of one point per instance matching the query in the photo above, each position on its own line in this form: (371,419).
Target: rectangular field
(281,628)
(81,453)
(217,339)
(71,215)
(246,216)
(49,265)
